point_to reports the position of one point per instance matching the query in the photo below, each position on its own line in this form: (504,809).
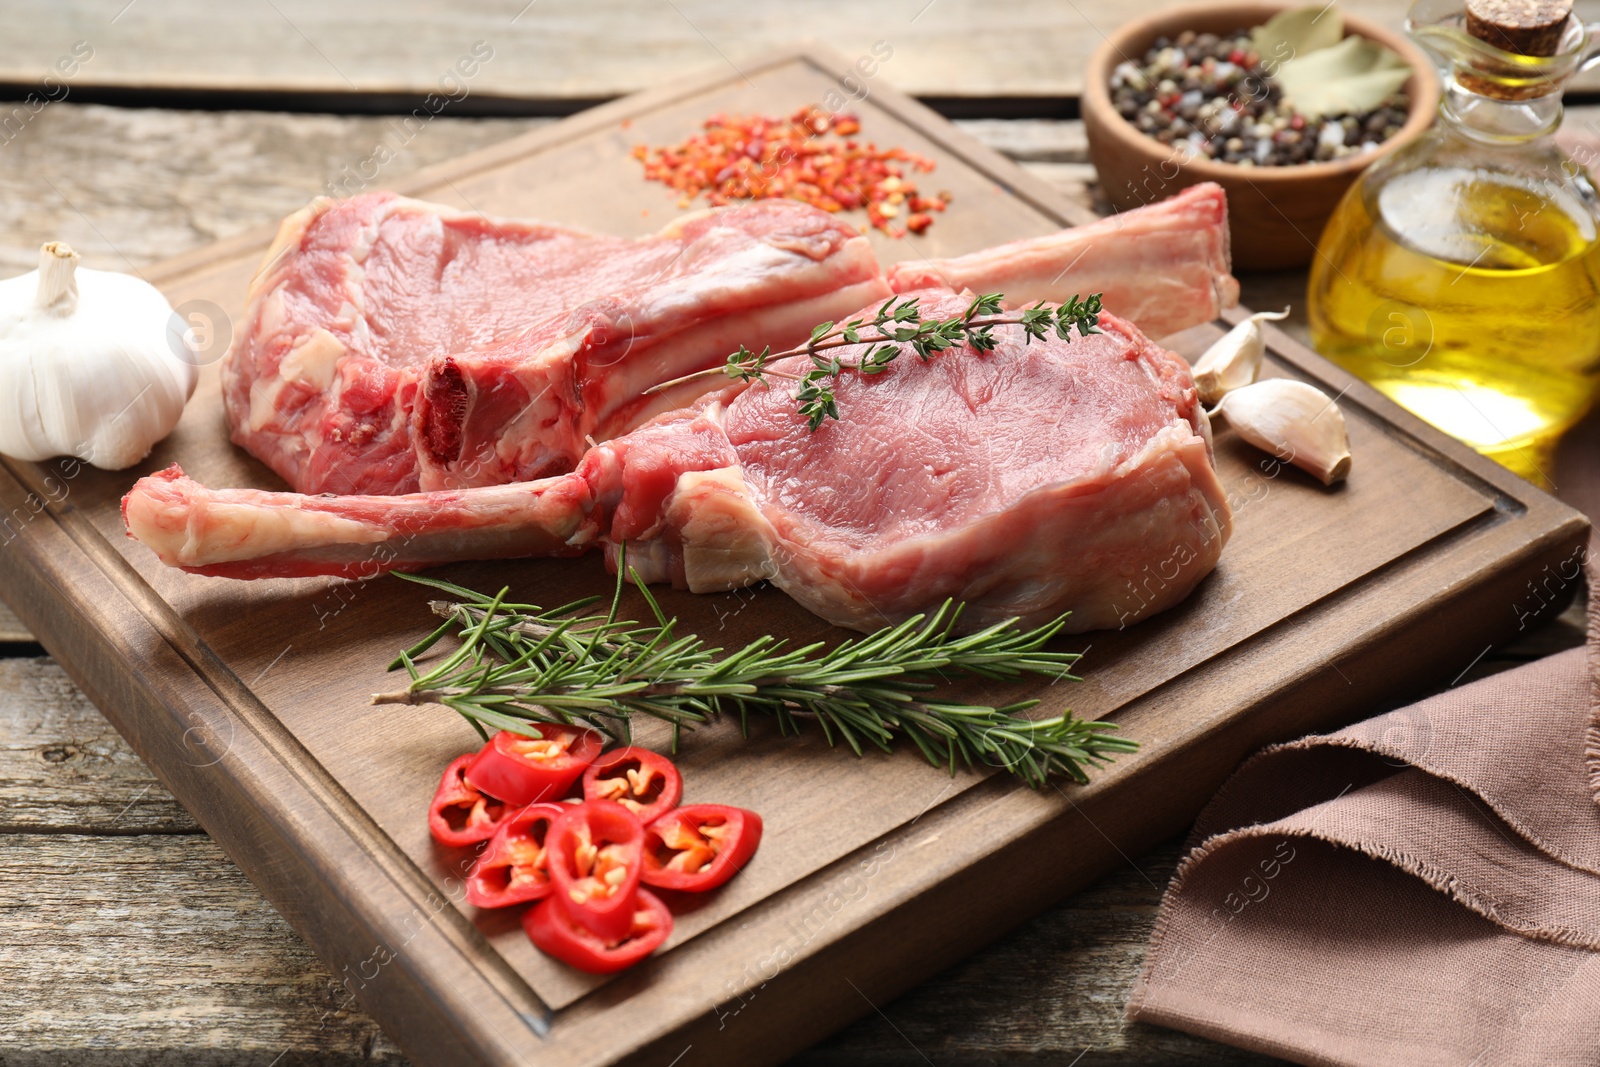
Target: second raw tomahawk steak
(391,345)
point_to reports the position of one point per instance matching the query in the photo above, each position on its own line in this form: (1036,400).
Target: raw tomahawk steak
(391,345)
(1027,481)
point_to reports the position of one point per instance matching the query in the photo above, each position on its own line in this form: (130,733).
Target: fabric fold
(1346,959)
(1505,739)
(1419,888)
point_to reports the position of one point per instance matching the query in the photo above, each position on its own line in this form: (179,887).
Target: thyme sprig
(898,323)
(516,665)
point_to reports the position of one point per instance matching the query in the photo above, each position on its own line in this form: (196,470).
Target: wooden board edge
(80,614)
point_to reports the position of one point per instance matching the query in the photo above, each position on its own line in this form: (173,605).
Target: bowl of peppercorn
(1182,97)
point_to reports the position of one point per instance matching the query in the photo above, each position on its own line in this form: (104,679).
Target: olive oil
(1460,274)
(1470,296)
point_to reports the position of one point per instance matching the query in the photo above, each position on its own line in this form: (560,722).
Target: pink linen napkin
(1420,888)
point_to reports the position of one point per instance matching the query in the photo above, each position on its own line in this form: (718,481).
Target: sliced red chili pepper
(594,853)
(645,783)
(512,868)
(550,929)
(699,846)
(522,770)
(460,814)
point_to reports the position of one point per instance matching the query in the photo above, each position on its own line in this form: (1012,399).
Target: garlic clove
(1296,422)
(1235,359)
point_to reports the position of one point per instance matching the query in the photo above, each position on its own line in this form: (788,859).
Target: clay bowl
(1276,213)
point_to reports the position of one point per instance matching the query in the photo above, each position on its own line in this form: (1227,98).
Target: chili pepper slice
(523,770)
(460,814)
(571,943)
(512,868)
(594,853)
(699,846)
(645,783)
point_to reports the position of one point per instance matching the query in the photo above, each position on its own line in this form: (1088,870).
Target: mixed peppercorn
(1210,96)
(812,156)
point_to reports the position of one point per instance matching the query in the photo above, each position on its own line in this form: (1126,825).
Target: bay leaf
(1298,31)
(1353,76)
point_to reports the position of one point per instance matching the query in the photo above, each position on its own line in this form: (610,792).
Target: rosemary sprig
(898,323)
(518,664)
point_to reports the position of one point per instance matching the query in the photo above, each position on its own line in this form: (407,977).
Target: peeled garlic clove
(1235,359)
(1294,421)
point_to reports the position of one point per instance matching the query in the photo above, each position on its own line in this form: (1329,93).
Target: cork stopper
(1527,27)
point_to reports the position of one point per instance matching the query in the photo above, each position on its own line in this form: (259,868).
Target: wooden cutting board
(250,700)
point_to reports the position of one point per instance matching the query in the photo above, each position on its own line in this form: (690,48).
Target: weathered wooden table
(126,937)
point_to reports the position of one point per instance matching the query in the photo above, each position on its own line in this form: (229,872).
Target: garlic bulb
(1235,359)
(92,364)
(1294,421)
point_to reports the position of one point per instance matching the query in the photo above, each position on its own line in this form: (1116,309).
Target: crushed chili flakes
(810,156)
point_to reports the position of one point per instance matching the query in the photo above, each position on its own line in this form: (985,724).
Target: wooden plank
(552,51)
(329,828)
(195,969)
(195,741)
(237,986)
(11,628)
(63,768)
(130,186)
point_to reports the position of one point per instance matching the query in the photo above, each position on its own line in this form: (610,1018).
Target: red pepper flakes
(808,156)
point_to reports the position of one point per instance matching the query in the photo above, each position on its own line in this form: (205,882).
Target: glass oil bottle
(1461,274)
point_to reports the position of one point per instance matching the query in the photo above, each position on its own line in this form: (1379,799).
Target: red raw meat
(391,345)
(1164,266)
(1027,481)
